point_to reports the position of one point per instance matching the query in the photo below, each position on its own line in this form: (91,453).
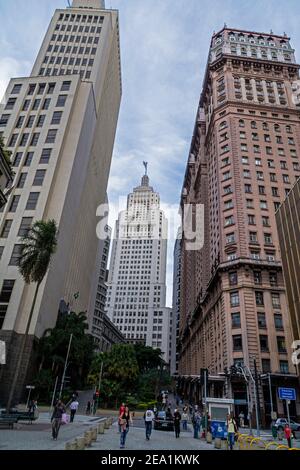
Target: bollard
(224,444)
(101,428)
(111,420)
(218,443)
(209,437)
(87,438)
(106,424)
(94,434)
(70,445)
(80,443)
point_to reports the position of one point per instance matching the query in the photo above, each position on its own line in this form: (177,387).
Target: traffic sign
(287,393)
(30,387)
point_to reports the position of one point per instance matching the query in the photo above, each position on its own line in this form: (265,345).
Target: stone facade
(244,159)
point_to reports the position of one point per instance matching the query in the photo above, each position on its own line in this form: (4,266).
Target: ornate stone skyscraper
(137,276)
(245,157)
(59,124)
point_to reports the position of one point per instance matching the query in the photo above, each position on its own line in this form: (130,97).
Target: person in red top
(121,412)
(288,435)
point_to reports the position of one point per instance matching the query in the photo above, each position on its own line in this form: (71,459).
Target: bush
(142,406)
(131,402)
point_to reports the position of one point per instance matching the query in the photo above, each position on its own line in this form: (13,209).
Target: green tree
(53,347)
(38,246)
(147,357)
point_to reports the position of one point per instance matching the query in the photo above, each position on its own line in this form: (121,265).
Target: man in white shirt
(73,407)
(149,418)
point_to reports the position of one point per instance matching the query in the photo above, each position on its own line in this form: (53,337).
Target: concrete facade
(288,225)
(244,159)
(137,277)
(61,127)
(176,304)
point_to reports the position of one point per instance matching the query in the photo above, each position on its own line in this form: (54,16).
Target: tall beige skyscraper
(60,124)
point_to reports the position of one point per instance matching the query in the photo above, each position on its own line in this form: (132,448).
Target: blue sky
(164,47)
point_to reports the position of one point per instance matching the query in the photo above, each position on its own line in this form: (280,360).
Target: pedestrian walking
(231,429)
(56,418)
(149,418)
(288,435)
(88,408)
(73,408)
(196,421)
(121,412)
(177,419)
(185,418)
(242,419)
(124,421)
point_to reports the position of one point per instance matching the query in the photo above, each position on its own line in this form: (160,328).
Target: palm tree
(38,246)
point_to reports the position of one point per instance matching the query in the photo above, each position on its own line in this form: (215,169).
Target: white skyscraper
(137,278)
(59,123)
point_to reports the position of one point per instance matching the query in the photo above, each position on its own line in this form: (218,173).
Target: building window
(4,120)
(16,253)
(26,105)
(229,221)
(253,237)
(22,180)
(17,159)
(45,157)
(32,201)
(39,178)
(275,299)
(16,89)
(237,343)
(233,278)
(14,203)
(28,159)
(251,219)
(6,228)
(10,103)
(278,321)
(248,188)
(234,299)
(51,136)
(266,365)
(35,139)
(236,320)
(284,367)
(56,118)
(13,140)
(259,298)
(36,104)
(230,238)
(261,320)
(41,120)
(25,226)
(281,344)
(51,88)
(61,101)
(264,344)
(257,277)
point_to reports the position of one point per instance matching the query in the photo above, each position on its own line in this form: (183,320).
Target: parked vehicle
(295,427)
(163,422)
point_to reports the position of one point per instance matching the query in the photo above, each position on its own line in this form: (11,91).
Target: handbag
(64,419)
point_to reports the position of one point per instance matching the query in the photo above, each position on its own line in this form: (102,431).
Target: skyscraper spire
(145,178)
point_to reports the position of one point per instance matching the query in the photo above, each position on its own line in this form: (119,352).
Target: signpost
(287,394)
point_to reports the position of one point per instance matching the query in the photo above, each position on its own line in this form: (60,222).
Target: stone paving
(37,436)
(160,440)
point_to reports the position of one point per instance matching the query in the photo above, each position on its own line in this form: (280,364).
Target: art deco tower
(59,124)
(137,277)
(245,157)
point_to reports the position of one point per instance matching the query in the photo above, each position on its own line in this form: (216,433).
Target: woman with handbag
(56,419)
(124,420)
(231,429)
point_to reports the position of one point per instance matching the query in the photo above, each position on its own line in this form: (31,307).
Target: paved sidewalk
(37,436)
(160,440)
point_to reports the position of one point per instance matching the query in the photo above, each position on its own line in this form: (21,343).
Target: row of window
(81,18)
(36,104)
(257,277)
(24,140)
(266,365)
(261,320)
(75,39)
(259,299)
(264,344)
